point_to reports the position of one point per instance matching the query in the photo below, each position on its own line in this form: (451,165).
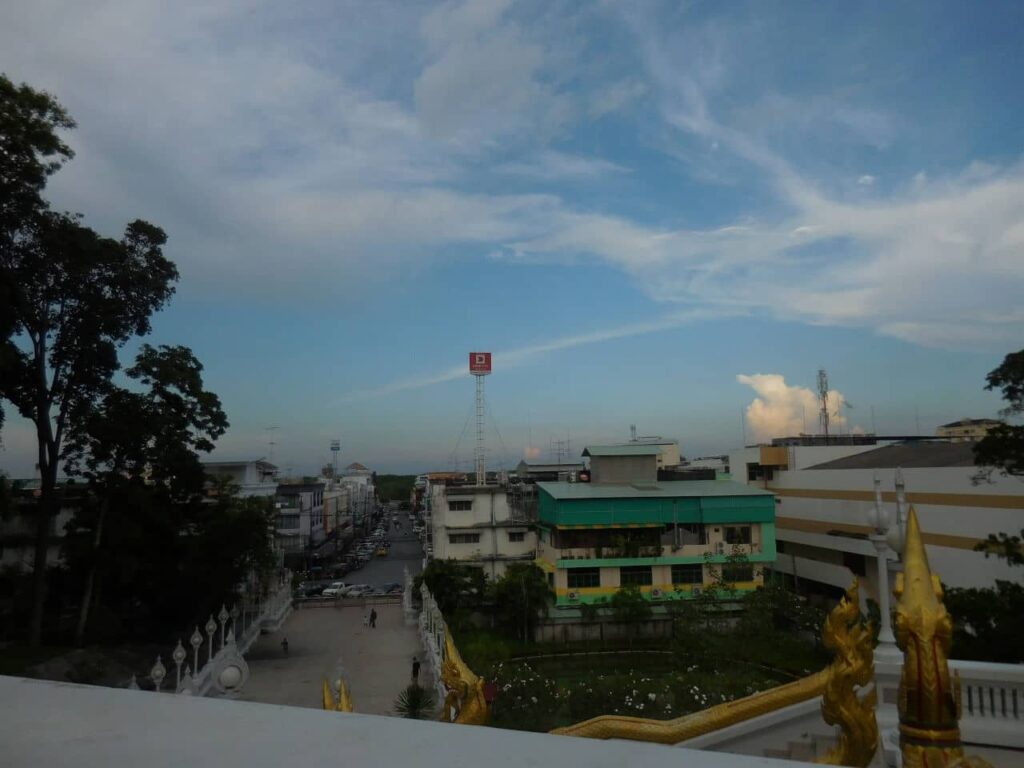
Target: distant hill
(394,487)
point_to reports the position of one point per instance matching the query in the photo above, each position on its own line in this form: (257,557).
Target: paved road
(330,642)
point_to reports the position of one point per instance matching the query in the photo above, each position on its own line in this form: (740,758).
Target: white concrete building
(473,524)
(253,477)
(824,495)
(300,516)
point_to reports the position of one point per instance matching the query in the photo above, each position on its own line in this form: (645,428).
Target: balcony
(666,552)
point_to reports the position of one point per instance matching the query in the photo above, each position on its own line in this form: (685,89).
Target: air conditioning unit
(656,593)
(573,596)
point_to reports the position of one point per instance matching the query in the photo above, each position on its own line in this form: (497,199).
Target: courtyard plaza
(328,641)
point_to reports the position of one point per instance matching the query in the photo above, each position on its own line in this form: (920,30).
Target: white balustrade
(992,702)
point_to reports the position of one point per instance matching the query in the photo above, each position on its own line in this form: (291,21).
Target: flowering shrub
(538,696)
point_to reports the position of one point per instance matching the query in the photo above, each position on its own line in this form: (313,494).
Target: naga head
(928,698)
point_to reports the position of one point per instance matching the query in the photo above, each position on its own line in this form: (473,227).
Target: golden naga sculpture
(464,701)
(929,697)
(344,700)
(853,666)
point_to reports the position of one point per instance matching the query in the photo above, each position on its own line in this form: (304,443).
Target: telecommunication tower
(823,398)
(335,450)
(480,366)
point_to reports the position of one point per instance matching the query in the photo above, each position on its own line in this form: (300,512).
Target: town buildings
(474,524)
(967,430)
(671,539)
(300,516)
(824,494)
(252,477)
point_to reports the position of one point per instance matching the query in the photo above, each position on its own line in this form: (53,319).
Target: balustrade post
(211,627)
(223,618)
(196,641)
(179,655)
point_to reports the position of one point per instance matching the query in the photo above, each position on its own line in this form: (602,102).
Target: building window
(517,535)
(463,538)
(733,574)
(460,505)
(737,534)
(635,575)
(584,577)
(688,574)
(286,522)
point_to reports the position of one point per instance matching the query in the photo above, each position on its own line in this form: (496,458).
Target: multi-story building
(669,538)
(474,524)
(825,494)
(300,516)
(967,430)
(252,477)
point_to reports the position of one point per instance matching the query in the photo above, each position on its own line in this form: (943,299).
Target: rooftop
(550,467)
(971,422)
(659,490)
(632,449)
(907,455)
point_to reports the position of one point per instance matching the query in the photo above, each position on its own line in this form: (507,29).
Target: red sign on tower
(479,363)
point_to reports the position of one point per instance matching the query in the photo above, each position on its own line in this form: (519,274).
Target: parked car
(335,589)
(359,590)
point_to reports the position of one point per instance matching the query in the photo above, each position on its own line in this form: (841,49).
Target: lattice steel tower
(480,366)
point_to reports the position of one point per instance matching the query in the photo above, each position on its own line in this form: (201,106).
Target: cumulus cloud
(866,180)
(781,409)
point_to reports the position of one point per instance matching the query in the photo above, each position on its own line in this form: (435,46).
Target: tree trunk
(90,579)
(47,499)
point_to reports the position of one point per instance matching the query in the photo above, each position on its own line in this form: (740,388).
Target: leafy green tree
(520,597)
(148,438)
(415,703)
(70,299)
(988,623)
(628,606)
(455,586)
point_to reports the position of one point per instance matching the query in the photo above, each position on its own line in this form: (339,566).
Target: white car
(359,590)
(336,589)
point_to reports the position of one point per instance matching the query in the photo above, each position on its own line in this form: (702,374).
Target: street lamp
(884,538)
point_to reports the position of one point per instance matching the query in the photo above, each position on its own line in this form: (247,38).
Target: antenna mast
(480,366)
(823,398)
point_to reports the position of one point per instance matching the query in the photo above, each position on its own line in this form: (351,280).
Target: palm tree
(415,703)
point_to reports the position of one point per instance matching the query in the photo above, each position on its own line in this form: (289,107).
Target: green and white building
(670,539)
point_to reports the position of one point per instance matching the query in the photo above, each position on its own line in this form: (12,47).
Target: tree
(988,624)
(630,607)
(149,438)
(455,586)
(520,596)
(69,298)
(30,150)
(1003,448)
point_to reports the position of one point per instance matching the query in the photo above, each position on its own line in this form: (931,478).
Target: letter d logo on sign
(479,363)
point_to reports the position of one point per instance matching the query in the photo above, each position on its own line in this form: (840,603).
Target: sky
(662,214)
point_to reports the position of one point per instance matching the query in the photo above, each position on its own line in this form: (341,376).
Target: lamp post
(887,536)
(878,518)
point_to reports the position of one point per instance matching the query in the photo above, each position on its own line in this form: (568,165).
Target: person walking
(284,646)
(373,618)
(415,671)
(366,619)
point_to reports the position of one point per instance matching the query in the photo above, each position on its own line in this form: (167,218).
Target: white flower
(533,699)
(651,696)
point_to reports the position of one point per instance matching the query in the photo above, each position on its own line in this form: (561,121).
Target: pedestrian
(366,619)
(373,618)
(415,671)
(284,646)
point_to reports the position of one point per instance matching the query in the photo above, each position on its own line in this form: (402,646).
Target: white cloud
(866,180)
(782,410)
(551,165)
(616,96)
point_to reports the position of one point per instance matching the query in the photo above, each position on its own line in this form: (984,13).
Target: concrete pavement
(332,641)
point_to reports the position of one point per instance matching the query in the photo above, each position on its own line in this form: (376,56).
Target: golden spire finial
(344,700)
(929,697)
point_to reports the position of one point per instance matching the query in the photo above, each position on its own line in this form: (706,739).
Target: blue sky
(632,204)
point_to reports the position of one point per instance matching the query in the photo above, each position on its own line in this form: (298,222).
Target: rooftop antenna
(823,399)
(335,450)
(632,433)
(480,366)
(270,441)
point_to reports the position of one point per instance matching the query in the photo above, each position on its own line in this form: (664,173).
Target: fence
(224,670)
(992,700)
(432,633)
